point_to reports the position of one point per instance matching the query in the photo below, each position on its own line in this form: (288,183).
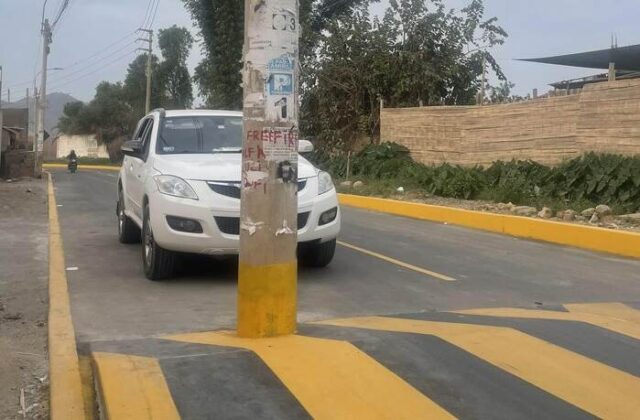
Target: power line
(98,61)
(63,6)
(115,61)
(147,13)
(154,14)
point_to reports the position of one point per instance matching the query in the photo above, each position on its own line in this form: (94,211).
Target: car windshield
(200,134)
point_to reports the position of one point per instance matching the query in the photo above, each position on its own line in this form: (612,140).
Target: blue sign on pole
(281,84)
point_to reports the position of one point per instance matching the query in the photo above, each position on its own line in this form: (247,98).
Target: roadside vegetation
(577,184)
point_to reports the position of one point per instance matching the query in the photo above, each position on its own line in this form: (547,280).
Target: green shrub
(578,183)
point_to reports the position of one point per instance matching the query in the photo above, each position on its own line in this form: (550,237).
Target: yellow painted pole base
(267,296)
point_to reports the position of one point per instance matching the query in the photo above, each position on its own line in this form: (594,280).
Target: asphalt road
(412,320)
(111,299)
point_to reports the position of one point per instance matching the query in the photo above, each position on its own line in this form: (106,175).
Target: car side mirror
(305,146)
(132,148)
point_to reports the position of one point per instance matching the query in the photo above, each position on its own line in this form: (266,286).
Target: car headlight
(324,182)
(177,187)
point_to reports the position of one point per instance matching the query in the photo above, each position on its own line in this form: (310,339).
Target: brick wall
(605,117)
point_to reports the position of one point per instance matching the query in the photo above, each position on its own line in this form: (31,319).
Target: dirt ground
(23,300)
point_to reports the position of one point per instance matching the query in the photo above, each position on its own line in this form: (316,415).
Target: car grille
(233,189)
(231,225)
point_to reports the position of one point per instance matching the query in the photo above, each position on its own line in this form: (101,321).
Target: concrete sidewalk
(576,361)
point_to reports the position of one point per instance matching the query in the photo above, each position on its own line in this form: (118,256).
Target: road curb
(616,242)
(95,167)
(65,383)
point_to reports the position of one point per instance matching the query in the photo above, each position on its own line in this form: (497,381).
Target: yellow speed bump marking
(599,389)
(133,387)
(332,379)
(66,391)
(398,262)
(615,317)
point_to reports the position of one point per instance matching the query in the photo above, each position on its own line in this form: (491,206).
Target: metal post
(484,77)
(267,278)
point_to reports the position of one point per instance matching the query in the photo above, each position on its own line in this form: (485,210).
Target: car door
(134,166)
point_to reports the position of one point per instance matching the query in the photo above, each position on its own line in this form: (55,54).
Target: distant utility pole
(1,118)
(46,41)
(149,50)
(267,278)
(36,130)
(26,101)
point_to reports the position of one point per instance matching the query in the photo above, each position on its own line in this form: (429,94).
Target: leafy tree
(135,85)
(221,24)
(72,120)
(173,74)
(502,93)
(108,115)
(419,52)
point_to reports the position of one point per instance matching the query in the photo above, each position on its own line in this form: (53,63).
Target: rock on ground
(603,210)
(525,211)
(545,213)
(588,212)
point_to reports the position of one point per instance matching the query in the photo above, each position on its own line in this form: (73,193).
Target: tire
(158,263)
(128,232)
(319,255)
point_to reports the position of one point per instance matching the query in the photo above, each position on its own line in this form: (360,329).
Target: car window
(140,129)
(200,134)
(146,139)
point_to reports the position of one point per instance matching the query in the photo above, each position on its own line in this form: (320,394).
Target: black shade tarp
(625,58)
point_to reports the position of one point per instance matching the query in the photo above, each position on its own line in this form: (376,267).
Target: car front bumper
(219,217)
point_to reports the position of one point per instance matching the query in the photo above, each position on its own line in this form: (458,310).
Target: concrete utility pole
(26,101)
(36,130)
(149,50)
(46,41)
(267,279)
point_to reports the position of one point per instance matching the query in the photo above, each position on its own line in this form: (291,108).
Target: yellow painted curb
(86,167)
(65,388)
(586,237)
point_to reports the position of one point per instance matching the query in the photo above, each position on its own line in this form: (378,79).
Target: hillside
(56,101)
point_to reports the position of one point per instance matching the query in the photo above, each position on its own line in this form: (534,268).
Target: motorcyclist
(72,158)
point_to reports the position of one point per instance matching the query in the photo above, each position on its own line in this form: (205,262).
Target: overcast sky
(94,41)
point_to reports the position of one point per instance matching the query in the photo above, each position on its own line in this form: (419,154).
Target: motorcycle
(73,165)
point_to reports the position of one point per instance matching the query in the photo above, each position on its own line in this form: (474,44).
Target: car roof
(194,112)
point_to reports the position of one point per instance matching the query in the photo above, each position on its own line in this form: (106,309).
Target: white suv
(179,190)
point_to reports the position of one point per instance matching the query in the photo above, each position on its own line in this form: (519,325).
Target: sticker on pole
(281,84)
(284,62)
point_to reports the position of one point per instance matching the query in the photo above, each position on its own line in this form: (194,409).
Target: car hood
(214,167)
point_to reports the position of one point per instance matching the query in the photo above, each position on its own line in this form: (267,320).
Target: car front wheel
(128,232)
(158,262)
(318,255)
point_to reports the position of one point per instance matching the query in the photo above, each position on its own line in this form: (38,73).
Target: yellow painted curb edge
(586,237)
(89,167)
(65,383)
